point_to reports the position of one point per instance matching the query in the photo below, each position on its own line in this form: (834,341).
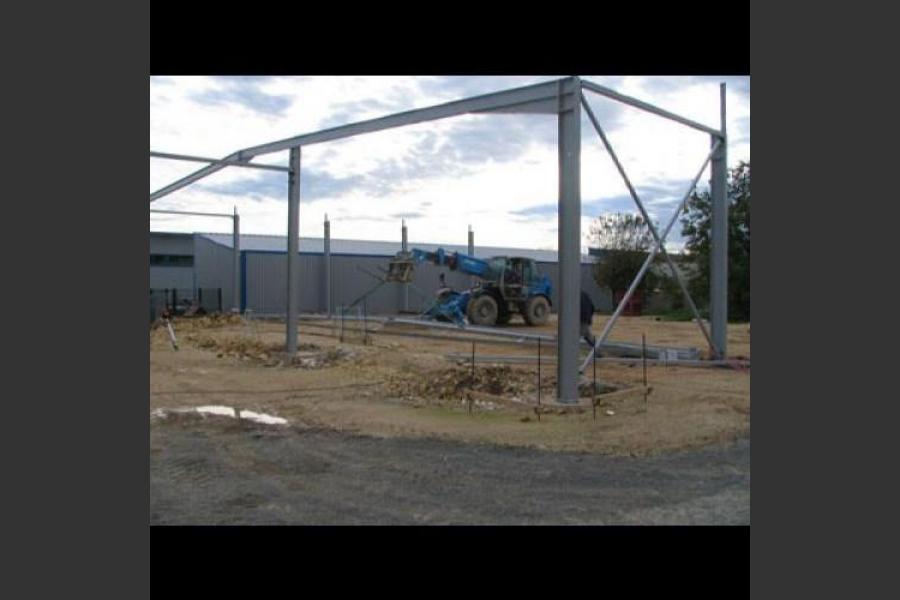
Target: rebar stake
(365,323)
(644,361)
(594,391)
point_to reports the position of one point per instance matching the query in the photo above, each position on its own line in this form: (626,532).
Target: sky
(497,173)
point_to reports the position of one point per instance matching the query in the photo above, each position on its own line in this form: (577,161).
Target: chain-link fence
(184,301)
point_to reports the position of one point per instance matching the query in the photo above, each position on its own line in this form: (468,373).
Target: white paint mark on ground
(222,411)
(262,418)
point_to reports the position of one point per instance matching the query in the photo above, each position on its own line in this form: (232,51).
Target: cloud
(541,210)
(313,185)
(245,92)
(497,172)
(407,215)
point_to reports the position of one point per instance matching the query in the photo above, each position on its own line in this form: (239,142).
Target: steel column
(569,244)
(404,245)
(326,267)
(236,263)
(471,250)
(718,268)
(293,277)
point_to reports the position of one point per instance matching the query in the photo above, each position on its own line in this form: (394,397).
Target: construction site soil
(389,385)
(376,396)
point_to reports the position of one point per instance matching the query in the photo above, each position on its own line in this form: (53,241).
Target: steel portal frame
(564,98)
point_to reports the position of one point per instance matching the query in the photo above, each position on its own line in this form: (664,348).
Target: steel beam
(718,271)
(293,277)
(520,97)
(216,161)
(605,91)
(236,265)
(327,266)
(185,212)
(534,98)
(634,195)
(569,240)
(650,256)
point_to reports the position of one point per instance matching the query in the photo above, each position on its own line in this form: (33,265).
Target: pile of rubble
(309,356)
(500,381)
(451,384)
(319,359)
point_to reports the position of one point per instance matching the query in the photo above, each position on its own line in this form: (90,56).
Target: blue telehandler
(507,285)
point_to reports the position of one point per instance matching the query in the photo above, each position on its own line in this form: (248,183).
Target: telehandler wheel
(537,310)
(482,310)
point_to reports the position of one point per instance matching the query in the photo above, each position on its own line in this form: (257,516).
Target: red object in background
(635,306)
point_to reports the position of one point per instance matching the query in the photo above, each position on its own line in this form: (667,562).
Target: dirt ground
(404,387)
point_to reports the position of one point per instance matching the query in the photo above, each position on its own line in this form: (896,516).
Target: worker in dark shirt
(587,315)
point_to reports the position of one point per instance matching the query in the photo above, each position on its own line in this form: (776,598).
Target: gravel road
(220,471)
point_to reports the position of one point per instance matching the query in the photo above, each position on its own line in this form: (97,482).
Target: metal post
(327,266)
(539,374)
(471,251)
(569,244)
(644,361)
(643,356)
(718,269)
(404,245)
(293,279)
(594,390)
(236,264)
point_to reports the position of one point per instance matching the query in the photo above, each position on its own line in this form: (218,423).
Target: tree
(626,239)
(696,231)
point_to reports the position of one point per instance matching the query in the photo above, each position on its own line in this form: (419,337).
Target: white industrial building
(202,264)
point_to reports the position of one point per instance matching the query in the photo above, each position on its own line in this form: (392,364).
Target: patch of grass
(681,314)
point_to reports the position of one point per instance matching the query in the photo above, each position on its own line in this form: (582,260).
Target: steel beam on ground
(634,195)
(518,359)
(293,277)
(569,241)
(718,268)
(605,91)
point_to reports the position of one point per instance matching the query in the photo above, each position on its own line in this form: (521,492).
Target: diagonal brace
(640,205)
(650,256)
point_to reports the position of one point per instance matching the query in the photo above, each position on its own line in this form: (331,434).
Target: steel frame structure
(564,98)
